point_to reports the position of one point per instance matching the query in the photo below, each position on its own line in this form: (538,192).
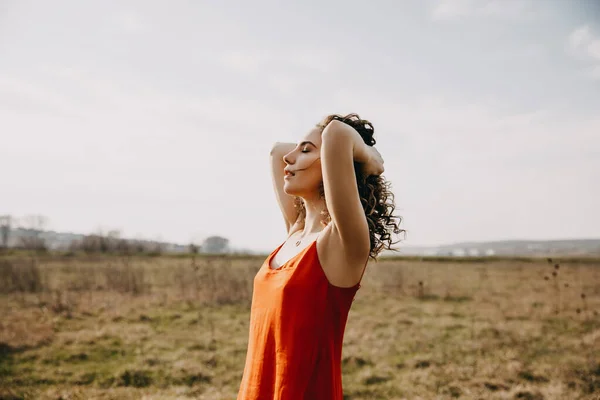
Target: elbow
(274,148)
(281,148)
(278,149)
(335,130)
(336,135)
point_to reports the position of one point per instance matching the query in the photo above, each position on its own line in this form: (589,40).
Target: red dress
(297,324)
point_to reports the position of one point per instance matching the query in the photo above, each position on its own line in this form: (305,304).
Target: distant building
(458,252)
(473,252)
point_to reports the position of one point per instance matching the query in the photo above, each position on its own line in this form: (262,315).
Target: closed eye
(305,146)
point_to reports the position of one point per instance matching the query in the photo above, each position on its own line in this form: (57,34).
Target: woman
(338,214)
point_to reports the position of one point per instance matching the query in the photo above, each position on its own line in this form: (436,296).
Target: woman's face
(304,163)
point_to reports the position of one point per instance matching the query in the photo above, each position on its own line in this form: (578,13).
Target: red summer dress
(297,324)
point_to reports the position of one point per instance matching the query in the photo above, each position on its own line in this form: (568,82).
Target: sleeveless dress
(297,324)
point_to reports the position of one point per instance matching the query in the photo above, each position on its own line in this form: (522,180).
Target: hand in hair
(374,164)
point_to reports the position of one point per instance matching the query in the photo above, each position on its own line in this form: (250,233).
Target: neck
(312,221)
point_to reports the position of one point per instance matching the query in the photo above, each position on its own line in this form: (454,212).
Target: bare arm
(286,202)
(341,146)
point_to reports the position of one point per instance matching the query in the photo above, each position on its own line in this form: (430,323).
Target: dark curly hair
(375,193)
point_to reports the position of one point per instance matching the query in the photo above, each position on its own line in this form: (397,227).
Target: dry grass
(176,328)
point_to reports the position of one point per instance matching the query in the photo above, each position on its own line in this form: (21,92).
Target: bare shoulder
(339,266)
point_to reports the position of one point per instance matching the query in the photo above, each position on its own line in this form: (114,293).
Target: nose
(287,158)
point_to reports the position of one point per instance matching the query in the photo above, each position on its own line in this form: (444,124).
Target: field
(112,327)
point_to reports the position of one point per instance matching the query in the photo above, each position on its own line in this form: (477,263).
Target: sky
(156,118)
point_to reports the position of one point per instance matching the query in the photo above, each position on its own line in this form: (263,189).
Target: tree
(5,221)
(215,244)
(193,248)
(34,226)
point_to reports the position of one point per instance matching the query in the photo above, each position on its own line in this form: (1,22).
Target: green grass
(467,331)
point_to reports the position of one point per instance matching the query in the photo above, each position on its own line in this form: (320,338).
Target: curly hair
(375,193)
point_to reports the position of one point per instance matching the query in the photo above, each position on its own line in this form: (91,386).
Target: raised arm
(286,202)
(341,146)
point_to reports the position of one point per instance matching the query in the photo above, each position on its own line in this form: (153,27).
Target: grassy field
(84,327)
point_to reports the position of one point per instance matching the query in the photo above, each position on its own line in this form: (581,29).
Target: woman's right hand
(374,163)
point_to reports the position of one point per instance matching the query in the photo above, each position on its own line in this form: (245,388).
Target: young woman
(338,214)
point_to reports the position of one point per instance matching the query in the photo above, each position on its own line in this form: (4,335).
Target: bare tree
(5,222)
(193,248)
(34,225)
(195,245)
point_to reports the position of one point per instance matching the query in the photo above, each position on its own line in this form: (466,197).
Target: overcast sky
(156,117)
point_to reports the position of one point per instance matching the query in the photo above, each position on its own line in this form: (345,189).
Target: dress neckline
(304,250)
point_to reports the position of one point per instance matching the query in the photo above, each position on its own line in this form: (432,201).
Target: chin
(289,190)
(293,190)
(297,191)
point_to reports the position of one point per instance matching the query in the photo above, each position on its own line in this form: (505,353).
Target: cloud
(67,92)
(285,85)
(583,44)
(131,22)
(451,9)
(580,37)
(594,72)
(318,60)
(245,62)
(285,72)
(477,133)
(21,95)
(130,139)
(505,9)
(322,61)
(491,173)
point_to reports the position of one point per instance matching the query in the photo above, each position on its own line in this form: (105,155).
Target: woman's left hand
(374,163)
